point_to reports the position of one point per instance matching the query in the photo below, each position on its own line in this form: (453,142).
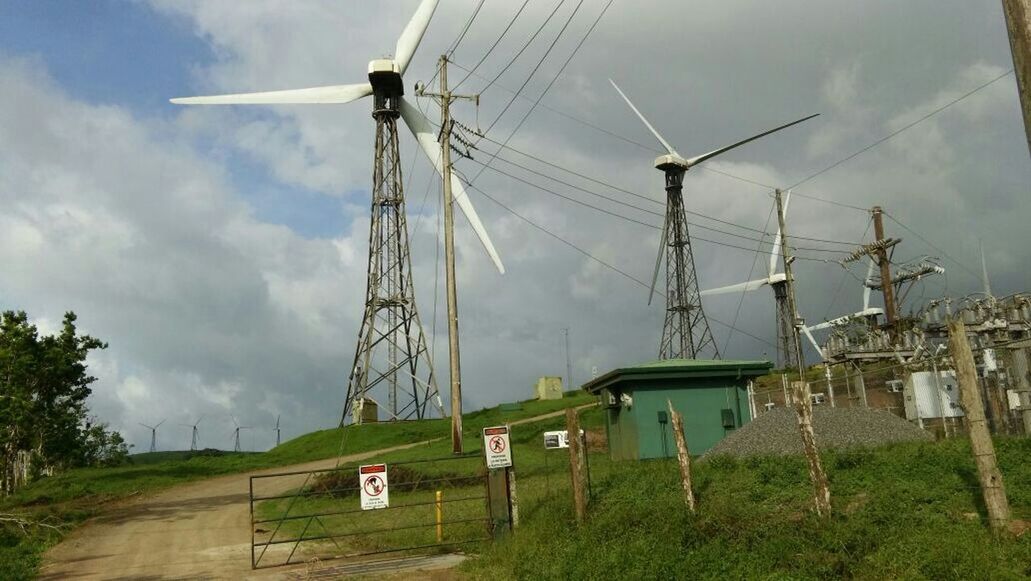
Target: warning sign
(497,447)
(373,480)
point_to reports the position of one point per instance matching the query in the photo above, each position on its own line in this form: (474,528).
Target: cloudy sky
(222,251)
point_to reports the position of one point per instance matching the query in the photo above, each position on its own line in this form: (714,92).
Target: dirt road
(194,531)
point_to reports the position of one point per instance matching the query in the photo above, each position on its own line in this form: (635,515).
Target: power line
(928,242)
(637,195)
(561,113)
(888,137)
(647,224)
(470,72)
(524,47)
(561,69)
(537,67)
(751,271)
(465,29)
(594,258)
(607,132)
(844,276)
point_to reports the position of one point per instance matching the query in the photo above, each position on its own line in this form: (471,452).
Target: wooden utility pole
(785,252)
(887,289)
(804,414)
(988,473)
(1018,25)
(445,97)
(682,456)
(576,464)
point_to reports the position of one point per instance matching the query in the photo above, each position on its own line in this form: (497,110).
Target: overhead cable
(596,259)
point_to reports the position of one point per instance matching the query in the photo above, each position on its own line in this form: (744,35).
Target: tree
(44,384)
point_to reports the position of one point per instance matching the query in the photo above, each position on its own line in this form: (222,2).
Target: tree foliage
(44,383)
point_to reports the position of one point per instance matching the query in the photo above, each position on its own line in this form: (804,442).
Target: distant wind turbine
(153,434)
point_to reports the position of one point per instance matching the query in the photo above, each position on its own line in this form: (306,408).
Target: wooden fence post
(980,439)
(682,455)
(512,496)
(576,465)
(804,412)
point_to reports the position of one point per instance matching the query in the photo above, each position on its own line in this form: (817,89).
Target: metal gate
(434,505)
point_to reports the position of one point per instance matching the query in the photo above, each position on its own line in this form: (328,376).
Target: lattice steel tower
(685,333)
(391,357)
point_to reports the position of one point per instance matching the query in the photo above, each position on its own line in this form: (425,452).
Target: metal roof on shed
(680,369)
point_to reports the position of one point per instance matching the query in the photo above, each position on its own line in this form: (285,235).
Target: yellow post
(440,517)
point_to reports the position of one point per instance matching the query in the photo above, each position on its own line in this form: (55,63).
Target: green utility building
(712,395)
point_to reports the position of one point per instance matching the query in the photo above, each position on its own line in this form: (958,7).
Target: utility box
(926,398)
(368,411)
(549,387)
(712,395)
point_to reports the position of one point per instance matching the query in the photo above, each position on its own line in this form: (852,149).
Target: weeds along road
(197,530)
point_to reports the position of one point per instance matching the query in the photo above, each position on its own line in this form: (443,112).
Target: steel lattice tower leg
(391,357)
(785,340)
(686,332)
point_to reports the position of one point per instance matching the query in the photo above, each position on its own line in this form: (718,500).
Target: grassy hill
(907,511)
(69,498)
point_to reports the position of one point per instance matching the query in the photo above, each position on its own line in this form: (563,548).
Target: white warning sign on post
(498,447)
(372,479)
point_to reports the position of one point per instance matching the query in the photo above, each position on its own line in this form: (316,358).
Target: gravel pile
(776,432)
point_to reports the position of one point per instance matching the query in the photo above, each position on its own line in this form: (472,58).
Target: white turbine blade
(866,287)
(824,325)
(412,34)
(812,340)
(984,271)
(776,239)
(313,95)
(664,143)
(427,138)
(658,258)
(736,288)
(714,153)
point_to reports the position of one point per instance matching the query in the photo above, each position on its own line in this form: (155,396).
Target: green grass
(540,475)
(902,512)
(71,497)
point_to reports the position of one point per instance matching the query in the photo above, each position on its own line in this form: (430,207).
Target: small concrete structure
(549,387)
(712,395)
(368,411)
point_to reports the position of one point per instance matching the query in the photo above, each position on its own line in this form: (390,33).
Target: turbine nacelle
(385,78)
(671,162)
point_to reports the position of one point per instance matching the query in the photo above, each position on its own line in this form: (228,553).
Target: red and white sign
(372,479)
(497,447)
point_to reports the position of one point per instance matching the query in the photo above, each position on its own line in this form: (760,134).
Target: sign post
(497,451)
(373,486)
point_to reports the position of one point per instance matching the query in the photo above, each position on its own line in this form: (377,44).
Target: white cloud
(133,222)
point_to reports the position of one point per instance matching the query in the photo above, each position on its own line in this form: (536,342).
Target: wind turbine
(391,347)
(865,313)
(236,434)
(686,331)
(153,434)
(778,281)
(193,434)
(277,430)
